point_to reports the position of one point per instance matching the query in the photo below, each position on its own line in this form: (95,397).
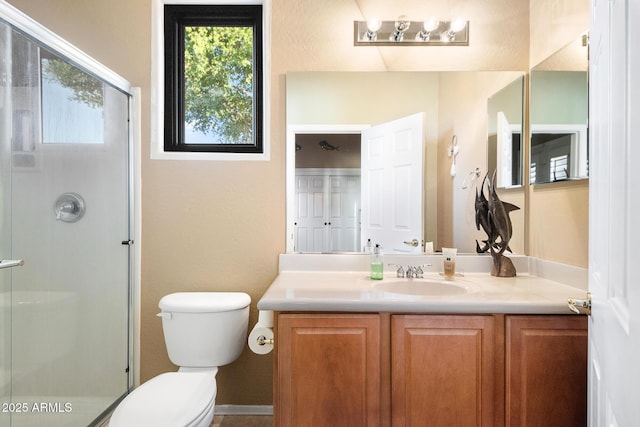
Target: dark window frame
(176,18)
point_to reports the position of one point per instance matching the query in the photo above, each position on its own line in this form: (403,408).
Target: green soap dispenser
(377,266)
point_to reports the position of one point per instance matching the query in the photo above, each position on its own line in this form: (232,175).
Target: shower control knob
(69,207)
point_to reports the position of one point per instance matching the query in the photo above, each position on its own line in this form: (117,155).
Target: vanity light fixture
(404,32)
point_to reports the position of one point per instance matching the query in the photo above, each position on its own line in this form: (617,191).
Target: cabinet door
(443,370)
(328,370)
(546,370)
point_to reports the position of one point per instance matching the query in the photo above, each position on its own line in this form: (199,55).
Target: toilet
(202,331)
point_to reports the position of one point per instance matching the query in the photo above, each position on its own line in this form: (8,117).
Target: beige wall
(220,225)
(555,24)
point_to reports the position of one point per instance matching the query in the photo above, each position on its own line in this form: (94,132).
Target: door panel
(614,97)
(328,211)
(392,184)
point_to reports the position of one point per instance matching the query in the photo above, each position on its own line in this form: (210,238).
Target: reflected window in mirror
(558,118)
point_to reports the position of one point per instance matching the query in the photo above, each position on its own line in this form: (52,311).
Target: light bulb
(402,23)
(374,25)
(457,25)
(430,24)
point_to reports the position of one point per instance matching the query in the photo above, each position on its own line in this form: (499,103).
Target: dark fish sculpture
(326,146)
(492,215)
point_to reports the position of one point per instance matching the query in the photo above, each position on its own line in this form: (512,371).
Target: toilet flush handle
(164,315)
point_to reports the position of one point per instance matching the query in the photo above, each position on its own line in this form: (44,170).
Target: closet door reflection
(328,210)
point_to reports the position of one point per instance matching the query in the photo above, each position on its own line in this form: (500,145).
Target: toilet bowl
(170,399)
(202,330)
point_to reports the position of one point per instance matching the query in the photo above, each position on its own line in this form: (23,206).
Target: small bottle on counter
(377,265)
(449,258)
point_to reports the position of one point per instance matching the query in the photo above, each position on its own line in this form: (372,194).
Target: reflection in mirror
(504,143)
(325,103)
(558,114)
(327,186)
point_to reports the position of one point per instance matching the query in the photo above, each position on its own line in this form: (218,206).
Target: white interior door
(310,222)
(392,185)
(614,209)
(328,210)
(344,213)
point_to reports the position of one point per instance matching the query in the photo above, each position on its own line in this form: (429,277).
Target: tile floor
(242,421)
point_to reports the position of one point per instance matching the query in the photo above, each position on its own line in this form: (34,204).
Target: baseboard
(244,410)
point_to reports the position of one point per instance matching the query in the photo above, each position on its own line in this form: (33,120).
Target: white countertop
(354,291)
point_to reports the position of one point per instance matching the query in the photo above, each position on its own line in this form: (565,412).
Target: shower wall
(65,194)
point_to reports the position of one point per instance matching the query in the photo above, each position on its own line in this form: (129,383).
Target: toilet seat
(172,399)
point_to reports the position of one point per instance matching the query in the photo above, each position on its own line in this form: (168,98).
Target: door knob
(576,305)
(413,243)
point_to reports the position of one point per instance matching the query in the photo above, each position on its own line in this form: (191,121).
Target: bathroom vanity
(355,352)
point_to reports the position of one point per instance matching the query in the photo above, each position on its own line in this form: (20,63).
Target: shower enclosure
(65,231)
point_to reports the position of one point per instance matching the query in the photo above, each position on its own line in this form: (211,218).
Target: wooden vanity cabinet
(546,370)
(384,369)
(444,370)
(328,370)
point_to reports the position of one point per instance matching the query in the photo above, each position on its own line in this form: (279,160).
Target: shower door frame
(36,31)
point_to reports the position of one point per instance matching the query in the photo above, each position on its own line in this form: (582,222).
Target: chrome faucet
(399,271)
(412,272)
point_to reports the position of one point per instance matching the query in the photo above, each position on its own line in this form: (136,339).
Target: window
(213,88)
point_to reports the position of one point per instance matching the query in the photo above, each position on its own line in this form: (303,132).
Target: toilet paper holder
(262,340)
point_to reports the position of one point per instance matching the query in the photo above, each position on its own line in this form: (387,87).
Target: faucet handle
(399,271)
(420,271)
(411,271)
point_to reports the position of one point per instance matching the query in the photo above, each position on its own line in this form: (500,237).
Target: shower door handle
(6,263)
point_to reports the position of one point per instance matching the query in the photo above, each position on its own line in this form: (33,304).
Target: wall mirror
(558,114)
(505,155)
(325,109)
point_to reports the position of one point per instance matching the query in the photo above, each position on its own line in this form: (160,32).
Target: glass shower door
(64,322)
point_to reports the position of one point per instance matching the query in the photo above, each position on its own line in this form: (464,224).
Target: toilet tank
(204,329)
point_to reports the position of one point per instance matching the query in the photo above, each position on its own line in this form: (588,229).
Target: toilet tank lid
(204,302)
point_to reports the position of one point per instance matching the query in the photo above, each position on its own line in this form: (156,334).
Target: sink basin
(425,287)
